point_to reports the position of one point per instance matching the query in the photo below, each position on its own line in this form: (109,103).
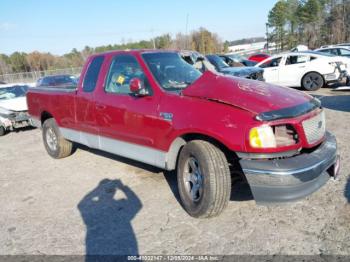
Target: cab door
(128,124)
(86,126)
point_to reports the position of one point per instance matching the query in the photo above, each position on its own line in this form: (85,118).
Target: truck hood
(15,104)
(254,96)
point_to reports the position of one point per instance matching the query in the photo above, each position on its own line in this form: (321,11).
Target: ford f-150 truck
(153,107)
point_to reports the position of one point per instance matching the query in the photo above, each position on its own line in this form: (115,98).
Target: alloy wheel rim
(193,179)
(312,81)
(51,139)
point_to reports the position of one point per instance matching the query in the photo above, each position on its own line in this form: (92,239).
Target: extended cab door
(85,103)
(127,123)
(271,70)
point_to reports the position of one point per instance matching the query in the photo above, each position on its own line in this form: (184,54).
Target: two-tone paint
(153,128)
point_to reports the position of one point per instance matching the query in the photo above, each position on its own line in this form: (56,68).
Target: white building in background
(247,47)
(251,48)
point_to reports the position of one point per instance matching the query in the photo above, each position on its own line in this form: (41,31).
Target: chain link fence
(31,77)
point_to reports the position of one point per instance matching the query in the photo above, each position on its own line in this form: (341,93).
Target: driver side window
(271,63)
(297,59)
(122,69)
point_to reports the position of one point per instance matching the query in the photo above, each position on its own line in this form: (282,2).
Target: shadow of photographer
(347,190)
(107,212)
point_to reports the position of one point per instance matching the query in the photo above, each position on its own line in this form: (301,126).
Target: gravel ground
(98,203)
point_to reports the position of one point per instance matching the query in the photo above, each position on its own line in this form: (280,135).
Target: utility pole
(187,37)
(154,43)
(267,37)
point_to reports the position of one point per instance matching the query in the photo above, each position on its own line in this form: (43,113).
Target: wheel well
(194,136)
(44,116)
(178,143)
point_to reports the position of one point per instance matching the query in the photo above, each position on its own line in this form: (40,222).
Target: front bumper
(283,180)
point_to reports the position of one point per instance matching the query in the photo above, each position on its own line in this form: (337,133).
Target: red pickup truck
(153,107)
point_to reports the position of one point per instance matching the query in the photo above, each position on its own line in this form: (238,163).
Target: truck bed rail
(64,89)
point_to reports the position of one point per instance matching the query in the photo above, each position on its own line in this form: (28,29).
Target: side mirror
(137,87)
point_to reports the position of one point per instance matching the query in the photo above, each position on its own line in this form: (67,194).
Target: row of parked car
(310,70)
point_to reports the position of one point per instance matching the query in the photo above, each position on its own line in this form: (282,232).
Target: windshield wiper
(181,85)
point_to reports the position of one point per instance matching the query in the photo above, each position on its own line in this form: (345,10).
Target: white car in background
(13,107)
(309,70)
(336,50)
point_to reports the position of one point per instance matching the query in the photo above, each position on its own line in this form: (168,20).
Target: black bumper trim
(289,179)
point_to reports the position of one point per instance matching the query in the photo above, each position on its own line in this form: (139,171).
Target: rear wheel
(56,145)
(2,131)
(312,81)
(204,180)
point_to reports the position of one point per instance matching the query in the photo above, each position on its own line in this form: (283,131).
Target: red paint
(217,106)
(258,57)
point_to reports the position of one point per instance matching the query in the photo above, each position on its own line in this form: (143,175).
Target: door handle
(301,66)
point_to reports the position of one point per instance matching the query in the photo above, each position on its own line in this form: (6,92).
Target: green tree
(205,42)
(277,19)
(5,67)
(19,62)
(163,41)
(310,16)
(293,22)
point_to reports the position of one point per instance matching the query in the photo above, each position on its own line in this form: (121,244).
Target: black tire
(214,179)
(312,81)
(2,131)
(55,144)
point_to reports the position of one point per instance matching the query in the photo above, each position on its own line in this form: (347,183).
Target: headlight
(262,137)
(273,136)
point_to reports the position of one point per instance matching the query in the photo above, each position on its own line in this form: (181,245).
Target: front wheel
(312,81)
(56,145)
(203,178)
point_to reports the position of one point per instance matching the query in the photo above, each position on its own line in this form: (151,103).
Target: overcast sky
(58,26)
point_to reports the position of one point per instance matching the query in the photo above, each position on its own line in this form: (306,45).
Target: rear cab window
(92,73)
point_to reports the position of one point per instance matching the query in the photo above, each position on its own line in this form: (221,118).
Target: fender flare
(172,154)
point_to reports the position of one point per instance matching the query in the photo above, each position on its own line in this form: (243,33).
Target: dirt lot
(98,203)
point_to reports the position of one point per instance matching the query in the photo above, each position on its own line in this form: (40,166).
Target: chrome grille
(315,128)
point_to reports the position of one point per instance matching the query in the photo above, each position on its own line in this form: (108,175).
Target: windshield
(12,92)
(171,71)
